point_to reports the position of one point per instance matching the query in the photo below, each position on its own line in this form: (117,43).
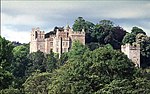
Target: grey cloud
(48,14)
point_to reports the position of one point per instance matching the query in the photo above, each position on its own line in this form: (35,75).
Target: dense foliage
(104,32)
(103,70)
(37,83)
(99,67)
(6,56)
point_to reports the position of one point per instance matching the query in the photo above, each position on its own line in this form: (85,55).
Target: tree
(129,38)
(144,42)
(136,86)
(77,49)
(37,83)
(106,33)
(141,85)
(79,24)
(99,34)
(106,24)
(6,79)
(102,33)
(6,56)
(5,53)
(93,72)
(88,27)
(20,64)
(93,45)
(141,38)
(117,87)
(51,62)
(10,91)
(36,63)
(118,33)
(137,30)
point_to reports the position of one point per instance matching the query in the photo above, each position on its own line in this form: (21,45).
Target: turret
(133,53)
(67,29)
(37,40)
(36,34)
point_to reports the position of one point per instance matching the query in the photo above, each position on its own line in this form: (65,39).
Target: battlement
(131,47)
(70,31)
(37,29)
(76,33)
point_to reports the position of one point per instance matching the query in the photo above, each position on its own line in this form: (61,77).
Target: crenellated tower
(77,35)
(133,53)
(37,40)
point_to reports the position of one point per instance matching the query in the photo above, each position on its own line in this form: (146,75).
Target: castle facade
(59,42)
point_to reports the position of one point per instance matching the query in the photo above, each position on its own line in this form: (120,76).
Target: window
(57,43)
(66,43)
(51,43)
(56,49)
(36,34)
(65,49)
(63,43)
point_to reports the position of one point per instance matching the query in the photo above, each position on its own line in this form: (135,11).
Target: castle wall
(48,45)
(56,44)
(41,46)
(133,53)
(33,46)
(65,45)
(78,36)
(125,49)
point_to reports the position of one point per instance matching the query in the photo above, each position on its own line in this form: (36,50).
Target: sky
(18,17)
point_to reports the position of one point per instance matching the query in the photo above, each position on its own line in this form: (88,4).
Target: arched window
(36,34)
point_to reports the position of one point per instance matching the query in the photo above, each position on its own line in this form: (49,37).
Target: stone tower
(37,40)
(133,53)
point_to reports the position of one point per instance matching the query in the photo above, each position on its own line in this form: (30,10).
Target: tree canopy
(103,70)
(104,32)
(6,56)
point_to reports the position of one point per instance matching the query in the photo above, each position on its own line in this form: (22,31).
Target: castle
(59,41)
(133,53)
